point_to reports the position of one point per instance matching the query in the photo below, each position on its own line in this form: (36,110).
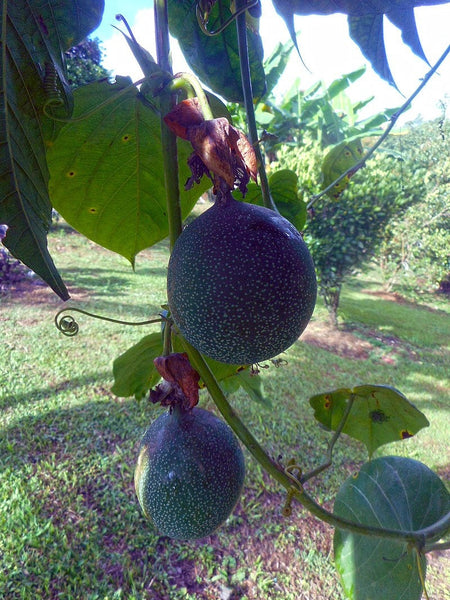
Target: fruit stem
(168,139)
(189,82)
(248,103)
(416,538)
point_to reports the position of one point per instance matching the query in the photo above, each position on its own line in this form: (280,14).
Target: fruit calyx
(179,388)
(221,151)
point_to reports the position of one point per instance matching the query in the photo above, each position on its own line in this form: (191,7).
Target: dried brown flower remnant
(220,150)
(180,385)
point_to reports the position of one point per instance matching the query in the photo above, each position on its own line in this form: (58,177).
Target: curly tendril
(287,508)
(202,18)
(294,472)
(68,326)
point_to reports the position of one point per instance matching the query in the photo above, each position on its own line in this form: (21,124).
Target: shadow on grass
(104,281)
(14,400)
(84,430)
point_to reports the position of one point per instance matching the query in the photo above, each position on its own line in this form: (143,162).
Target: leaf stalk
(168,139)
(332,443)
(241,28)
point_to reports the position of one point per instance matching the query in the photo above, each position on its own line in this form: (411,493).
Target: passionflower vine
(221,151)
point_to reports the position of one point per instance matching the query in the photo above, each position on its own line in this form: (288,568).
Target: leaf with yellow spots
(106,168)
(379,415)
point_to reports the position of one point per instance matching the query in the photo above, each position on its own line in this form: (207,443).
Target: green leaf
(36,34)
(134,371)
(284,189)
(253,385)
(380,414)
(107,177)
(393,493)
(337,160)
(337,86)
(367,32)
(275,65)
(405,20)
(215,60)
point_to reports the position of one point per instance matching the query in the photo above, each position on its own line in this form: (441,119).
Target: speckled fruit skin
(241,283)
(189,474)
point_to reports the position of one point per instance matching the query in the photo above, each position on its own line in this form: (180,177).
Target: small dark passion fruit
(189,474)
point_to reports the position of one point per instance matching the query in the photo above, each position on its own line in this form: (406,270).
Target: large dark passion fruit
(241,283)
(189,473)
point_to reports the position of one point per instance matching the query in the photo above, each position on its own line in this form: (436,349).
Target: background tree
(84,63)
(415,249)
(344,234)
(321,135)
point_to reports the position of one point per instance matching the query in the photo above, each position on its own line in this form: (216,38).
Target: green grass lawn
(70,525)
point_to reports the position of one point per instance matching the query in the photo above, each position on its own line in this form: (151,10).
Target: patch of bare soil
(357,342)
(343,343)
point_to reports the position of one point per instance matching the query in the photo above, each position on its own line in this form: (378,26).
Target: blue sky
(326,48)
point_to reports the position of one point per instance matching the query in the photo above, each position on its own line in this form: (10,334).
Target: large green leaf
(34,36)
(107,176)
(365,19)
(215,60)
(380,414)
(393,493)
(367,32)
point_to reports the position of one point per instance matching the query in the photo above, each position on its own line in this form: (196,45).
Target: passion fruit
(189,474)
(241,283)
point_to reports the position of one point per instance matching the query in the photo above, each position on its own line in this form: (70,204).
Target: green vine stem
(188,80)
(438,547)
(415,538)
(168,139)
(203,19)
(387,131)
(421,575)
(248,103)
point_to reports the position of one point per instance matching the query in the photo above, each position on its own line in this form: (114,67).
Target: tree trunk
(331,298)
